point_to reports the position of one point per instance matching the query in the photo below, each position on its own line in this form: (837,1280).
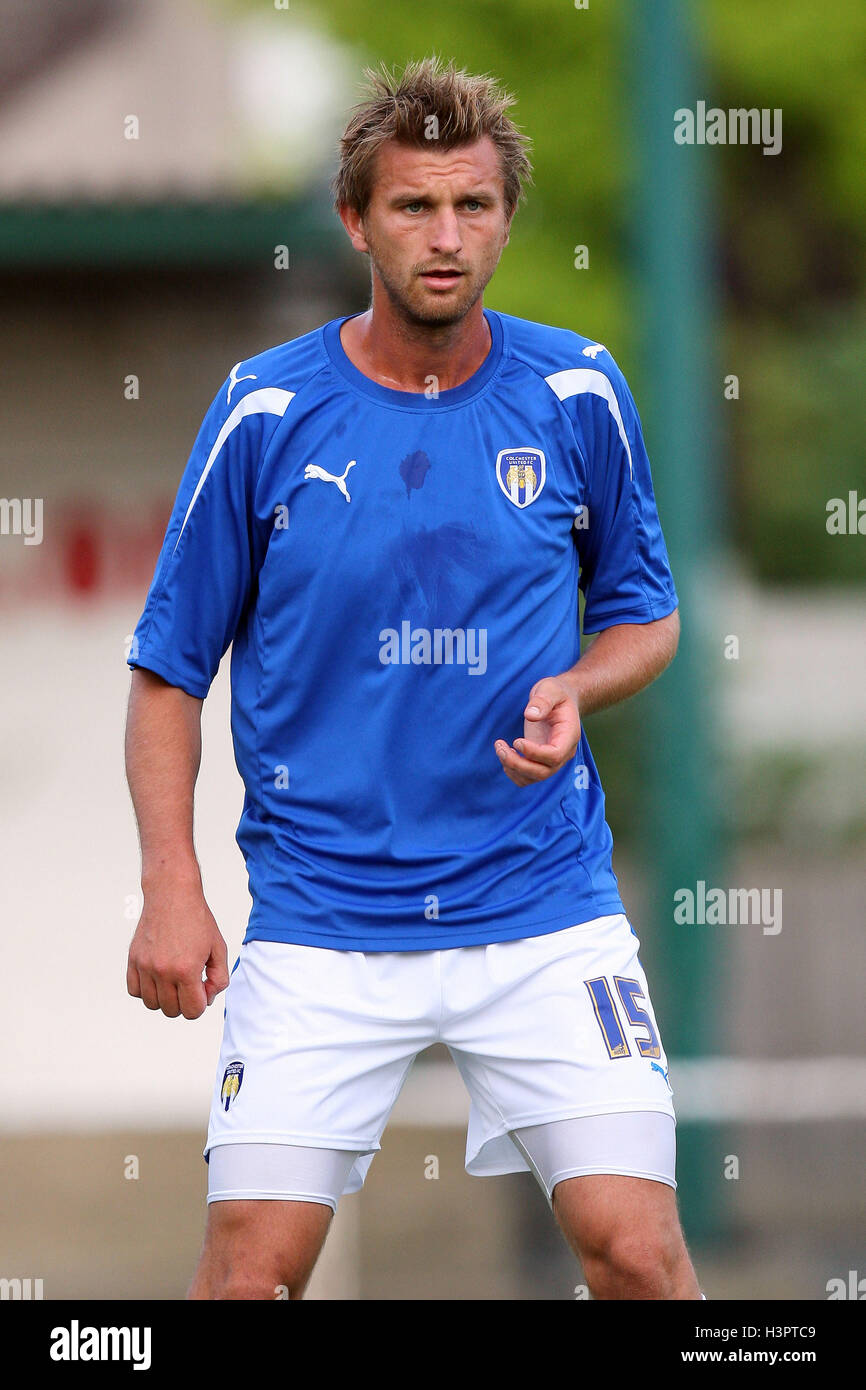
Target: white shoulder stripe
(271,400)
(577,380)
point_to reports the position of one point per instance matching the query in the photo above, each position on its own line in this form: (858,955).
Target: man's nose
(445,236)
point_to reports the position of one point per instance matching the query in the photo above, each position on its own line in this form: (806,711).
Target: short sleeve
(205,570)
(625,572)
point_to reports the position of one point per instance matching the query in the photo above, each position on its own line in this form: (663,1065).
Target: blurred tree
(789,244)
(793,233)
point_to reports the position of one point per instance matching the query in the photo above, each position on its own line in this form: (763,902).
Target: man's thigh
(595,1209)
(626,1232)
(269,1211)
(256,1249)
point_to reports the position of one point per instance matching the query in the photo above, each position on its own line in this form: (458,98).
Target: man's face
(434,228)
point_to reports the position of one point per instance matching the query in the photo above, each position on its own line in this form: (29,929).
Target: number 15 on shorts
(608,1016)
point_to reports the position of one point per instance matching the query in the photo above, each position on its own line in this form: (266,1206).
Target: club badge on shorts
(234,1075)
(521,474)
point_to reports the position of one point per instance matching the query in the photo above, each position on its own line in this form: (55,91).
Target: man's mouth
(442,279)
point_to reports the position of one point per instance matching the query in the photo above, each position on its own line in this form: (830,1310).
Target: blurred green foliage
(788,232)
(793,281)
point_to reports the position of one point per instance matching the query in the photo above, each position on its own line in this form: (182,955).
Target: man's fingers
(549,754)
(537,730)
(524,769)
(522,779)
(217,973)
(551,734)
(191,998)
(132,983)
(148,995)
(175,985)
(157,991)
(172,997)
(544,756)
(166,991)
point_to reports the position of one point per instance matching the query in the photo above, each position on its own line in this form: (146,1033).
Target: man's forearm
(163,755)
(622,660)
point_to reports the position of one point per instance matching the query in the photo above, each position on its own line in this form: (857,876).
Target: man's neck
(405,356)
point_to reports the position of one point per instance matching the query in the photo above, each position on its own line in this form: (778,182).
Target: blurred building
(164,211)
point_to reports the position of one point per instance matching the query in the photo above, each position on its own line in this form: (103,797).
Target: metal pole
(679,398)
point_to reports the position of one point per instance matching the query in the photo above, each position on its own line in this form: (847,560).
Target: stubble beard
(416,306)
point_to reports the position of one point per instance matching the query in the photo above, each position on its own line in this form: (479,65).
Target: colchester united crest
(521,474)
(234,1075)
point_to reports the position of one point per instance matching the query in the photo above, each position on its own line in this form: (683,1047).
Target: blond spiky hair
(465,106)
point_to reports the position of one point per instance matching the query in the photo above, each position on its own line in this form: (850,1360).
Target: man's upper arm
(148,679)
(205,571)
(625,570)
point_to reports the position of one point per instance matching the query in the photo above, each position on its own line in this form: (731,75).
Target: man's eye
(474,203)
(412,207)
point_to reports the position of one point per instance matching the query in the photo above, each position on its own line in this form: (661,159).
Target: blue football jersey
(394,571)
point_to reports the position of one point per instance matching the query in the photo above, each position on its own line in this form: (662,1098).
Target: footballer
(389,519)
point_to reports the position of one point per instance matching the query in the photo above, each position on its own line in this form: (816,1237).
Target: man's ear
(354,225)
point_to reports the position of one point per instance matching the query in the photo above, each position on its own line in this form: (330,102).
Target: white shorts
(318,1042)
